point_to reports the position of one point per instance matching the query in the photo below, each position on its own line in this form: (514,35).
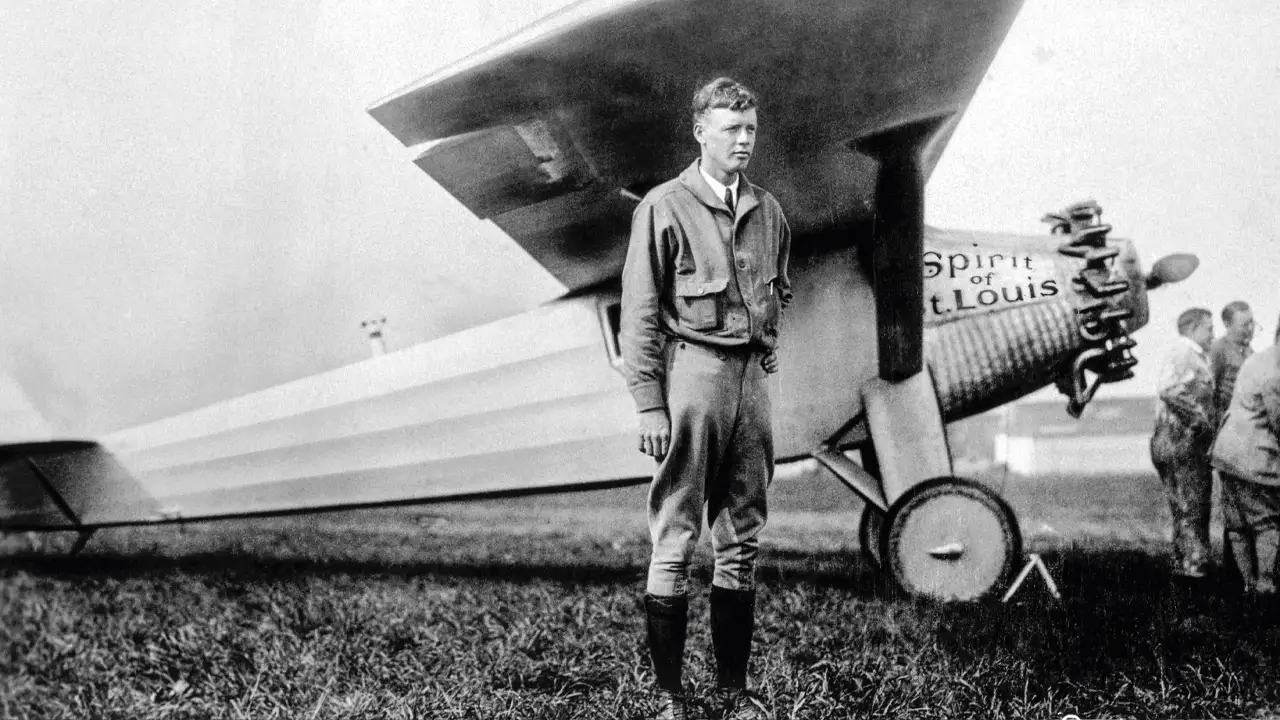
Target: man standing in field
(1226,355)
(702,291)
(1185,423)
(1229,352)
(1247,453)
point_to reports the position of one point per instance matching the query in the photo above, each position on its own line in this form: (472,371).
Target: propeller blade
(1171,269)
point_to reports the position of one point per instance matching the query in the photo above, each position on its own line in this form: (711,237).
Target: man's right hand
(655,433)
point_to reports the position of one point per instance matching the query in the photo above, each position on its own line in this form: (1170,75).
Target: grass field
(530,609)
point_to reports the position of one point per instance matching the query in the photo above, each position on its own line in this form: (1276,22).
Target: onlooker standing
(1183,434)
(1226,355)
(1247,452)
(1229,352)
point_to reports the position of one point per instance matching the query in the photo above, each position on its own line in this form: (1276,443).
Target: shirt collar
(696,184)
(1192,344)
(718,187)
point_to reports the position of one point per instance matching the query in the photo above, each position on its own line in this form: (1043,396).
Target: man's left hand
(770,362)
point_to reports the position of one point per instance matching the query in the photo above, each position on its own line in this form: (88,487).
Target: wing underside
(551,134)
(547,133)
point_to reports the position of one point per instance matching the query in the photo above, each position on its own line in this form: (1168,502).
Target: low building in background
(1039,438)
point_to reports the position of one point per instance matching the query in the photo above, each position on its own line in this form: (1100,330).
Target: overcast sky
(195,204)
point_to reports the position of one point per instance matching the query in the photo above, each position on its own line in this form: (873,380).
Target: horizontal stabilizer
(67,485)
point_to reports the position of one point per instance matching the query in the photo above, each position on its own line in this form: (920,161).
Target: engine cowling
(1007,315)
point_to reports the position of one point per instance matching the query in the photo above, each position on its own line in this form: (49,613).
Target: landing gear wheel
(950,539)
(871,536)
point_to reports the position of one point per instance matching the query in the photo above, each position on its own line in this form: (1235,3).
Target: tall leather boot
(732,623)
(667,620)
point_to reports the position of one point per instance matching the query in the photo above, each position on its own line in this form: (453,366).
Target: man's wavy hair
(1190,319)
(722,92)
(1231,309)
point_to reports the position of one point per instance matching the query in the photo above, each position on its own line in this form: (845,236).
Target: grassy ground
(529,609)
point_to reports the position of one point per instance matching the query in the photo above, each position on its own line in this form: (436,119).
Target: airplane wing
(553,132)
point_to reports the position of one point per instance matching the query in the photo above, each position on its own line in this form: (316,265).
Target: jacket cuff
(649,396)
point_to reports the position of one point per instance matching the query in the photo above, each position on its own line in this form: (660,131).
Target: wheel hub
(948,551)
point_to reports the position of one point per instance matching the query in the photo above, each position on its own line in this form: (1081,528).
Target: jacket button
(742,264)
(701,290)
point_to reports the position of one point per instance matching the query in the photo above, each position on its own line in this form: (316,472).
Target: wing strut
(898,250)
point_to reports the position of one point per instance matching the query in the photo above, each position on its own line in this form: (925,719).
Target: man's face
(1241,327)
(1203,334)
(728,138)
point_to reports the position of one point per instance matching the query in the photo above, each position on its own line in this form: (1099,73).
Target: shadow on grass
(1126,640)
(1087,577)
(836,639)
(555,561)
(246,566)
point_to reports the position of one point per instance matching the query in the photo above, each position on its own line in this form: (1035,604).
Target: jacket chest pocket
(700,304)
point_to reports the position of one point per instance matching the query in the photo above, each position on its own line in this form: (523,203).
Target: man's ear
(698,129)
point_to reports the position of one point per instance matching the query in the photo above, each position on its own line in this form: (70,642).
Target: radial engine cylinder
(1006,315)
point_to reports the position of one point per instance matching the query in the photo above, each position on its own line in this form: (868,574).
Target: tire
(950,540)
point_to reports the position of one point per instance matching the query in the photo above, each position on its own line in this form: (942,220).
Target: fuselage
(537,402)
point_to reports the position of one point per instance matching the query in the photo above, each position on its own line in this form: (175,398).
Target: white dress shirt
(718,187)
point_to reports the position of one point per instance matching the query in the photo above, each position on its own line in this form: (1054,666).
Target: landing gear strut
(945,538)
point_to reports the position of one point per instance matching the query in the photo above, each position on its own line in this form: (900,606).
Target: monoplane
(554,134)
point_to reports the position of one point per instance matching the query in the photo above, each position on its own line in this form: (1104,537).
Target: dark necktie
(728,199)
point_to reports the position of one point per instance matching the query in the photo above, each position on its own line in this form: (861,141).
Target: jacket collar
(692,179)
